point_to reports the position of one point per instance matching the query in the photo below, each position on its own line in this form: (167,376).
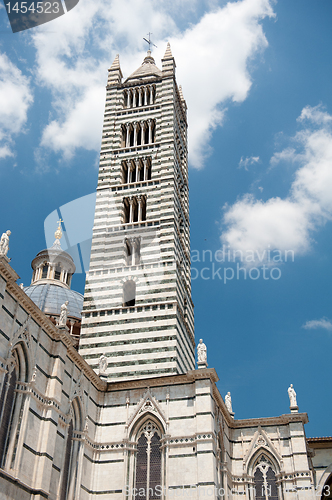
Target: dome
(49,297)
(147,69)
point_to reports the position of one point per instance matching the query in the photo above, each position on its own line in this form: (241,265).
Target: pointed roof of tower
(168,52)
(116,63)
(115,73)
(148,68)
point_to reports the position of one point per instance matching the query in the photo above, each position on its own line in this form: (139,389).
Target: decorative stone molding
(147,404)
(261,441)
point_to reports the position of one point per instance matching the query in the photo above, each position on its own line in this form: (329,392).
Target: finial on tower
(58,235)
(58,232)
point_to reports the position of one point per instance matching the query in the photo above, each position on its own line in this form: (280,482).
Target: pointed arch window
(12,406)
(148,463)
(71,461)
(265,480)
(7,400)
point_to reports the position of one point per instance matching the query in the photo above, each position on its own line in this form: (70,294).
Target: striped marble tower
(138,311)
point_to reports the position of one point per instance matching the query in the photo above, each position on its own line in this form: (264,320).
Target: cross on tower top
(149,41)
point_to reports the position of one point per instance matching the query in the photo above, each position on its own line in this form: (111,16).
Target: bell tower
(138,310)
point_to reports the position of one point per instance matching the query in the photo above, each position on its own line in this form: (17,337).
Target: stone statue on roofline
(103,363)
(228,402)
(201,354)
(63,314)
(4,243)
(292,397)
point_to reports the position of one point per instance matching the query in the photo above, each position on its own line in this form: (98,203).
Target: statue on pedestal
(228,402)
(4,243)
(63,314)
(103,363)
(292,396)
(201,352)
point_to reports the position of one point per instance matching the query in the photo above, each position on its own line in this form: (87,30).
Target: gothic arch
(72,460)
(12,404)
(148,407)
(140,422)
(255,458)
(147,476)
(264,469)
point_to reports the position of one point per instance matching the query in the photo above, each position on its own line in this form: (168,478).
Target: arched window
(265,480)
(7,397)
(148,480)
(70,469)
(66,465)
(12,406)
(129,293)
(45,271)
(134,209)
(57,272)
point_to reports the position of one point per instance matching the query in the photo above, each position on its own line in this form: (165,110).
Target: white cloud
(315,324)
(15,100)
(289,223)
(249,160)
(315,114)
(74,59)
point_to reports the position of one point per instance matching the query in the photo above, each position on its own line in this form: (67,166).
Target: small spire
(58,232)
(168,52)
(58,236)
(116,63)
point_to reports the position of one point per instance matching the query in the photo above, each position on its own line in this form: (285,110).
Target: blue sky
(256,75)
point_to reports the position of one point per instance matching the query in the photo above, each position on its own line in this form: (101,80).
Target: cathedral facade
(100,399)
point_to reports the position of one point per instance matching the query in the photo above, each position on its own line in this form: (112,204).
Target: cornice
(165,380)
(7,271)
(284,419)
(255,422)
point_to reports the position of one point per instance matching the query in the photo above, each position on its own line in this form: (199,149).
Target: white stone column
(145,96)
(151,94)
(150,122)
(135,133)
(137,170)
(128,173)
(128,99)
(131,210)
(146,164)
(50,272)
(134,98)
(140,92)
(132,244)
(128,136)
(140,202)
(142,133)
